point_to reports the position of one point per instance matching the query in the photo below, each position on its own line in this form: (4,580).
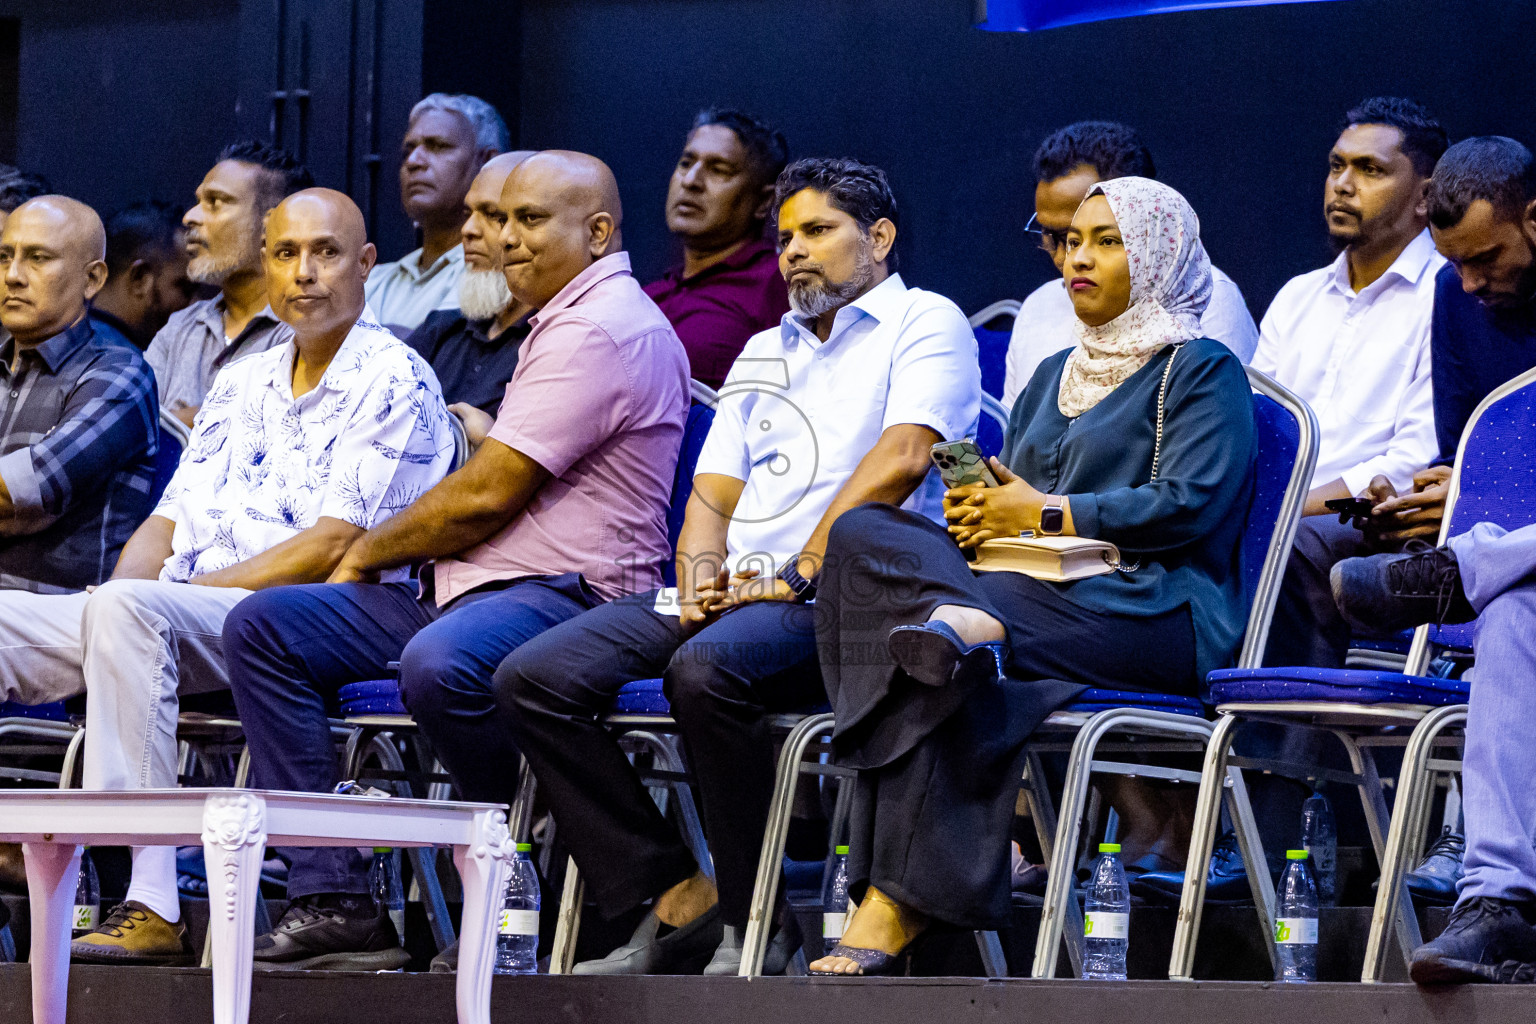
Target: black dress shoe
(1482,934)
(1226,882)
(684,950)
(331,933)
(1393,592)
(1434,880)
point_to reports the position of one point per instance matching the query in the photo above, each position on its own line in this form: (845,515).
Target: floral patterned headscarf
(1170,288)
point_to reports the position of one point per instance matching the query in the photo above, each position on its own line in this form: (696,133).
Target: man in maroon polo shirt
(728,286)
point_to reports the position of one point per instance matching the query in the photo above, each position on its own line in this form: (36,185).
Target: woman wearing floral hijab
(938,675)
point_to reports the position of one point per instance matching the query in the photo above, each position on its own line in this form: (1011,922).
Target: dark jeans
(721,683)
(289,649)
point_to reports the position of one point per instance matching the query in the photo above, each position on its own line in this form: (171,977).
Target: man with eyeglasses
(1067,164)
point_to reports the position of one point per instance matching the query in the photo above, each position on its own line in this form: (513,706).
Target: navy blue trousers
(289,649)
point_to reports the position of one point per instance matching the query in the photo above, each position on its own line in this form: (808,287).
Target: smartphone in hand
(961,463)
(1355,508)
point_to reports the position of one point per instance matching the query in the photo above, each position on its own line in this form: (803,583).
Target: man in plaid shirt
(78,431)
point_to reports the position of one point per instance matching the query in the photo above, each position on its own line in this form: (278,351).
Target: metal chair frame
(1398,839)
(986,314)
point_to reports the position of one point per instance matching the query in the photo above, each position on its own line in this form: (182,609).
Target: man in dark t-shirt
(728,286)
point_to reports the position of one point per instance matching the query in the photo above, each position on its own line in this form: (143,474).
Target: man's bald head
(563,215)
(52,255)
(317,256)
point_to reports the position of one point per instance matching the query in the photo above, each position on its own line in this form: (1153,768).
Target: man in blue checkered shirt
(78,431)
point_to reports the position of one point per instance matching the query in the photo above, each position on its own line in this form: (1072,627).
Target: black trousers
(721,683)
(1307,627)
(939,773)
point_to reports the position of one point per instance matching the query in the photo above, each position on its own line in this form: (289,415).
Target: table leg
(52,873)
(484,868)
(234,836)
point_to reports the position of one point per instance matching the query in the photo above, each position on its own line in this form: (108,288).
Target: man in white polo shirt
(837,406)
(1352,339)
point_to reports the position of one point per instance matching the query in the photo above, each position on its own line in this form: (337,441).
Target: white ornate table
(234,825)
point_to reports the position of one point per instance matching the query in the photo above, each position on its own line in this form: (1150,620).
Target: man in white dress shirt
(448,139)
(1352,339)
(296,452)
(1067,165)
(836,406)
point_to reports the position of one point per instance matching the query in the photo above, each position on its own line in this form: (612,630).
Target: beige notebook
(1057,559)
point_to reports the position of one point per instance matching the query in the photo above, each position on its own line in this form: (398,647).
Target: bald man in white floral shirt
(296,452)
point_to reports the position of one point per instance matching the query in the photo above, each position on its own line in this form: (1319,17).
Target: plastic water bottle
(834,905)
(517,930)
(1106,918)
(1296,927)
(384,884)
(1320,836)
(87,897)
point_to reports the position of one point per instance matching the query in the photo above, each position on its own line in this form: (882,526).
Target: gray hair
(490,129)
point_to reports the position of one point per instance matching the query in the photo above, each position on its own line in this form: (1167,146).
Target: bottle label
(1101,925)
(832,925)
(86,917)
(518,922)
(1296,931)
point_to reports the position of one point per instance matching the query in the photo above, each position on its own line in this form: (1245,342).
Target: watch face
(1051,518)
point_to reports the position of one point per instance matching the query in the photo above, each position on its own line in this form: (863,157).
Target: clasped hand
(727,591)
(978,513)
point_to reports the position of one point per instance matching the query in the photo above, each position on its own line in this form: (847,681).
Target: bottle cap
(382,849)
(842,851)
(1109,847)
(524,847)
(1296,855)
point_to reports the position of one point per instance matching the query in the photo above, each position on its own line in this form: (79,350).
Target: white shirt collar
(880,303)
(1409,266)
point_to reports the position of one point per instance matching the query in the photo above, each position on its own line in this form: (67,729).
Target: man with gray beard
(474,349)
(224,233)
(837,405)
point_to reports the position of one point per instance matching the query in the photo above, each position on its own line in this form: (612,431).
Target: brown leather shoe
(134,934)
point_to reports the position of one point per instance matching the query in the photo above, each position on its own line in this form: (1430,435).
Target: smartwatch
(1052,517)
(805,590)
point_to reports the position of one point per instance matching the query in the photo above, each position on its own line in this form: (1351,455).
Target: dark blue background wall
(1239,107)
(123,99)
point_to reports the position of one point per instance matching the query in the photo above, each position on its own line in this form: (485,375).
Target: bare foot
(974,625)
(880,923)
(686,901)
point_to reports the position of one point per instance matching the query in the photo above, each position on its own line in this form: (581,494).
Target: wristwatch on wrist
(1052,518)
(789,572)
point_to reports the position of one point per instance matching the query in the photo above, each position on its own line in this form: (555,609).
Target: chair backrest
(1286,434)
(174,436)
(1494,480)
(992,348)
(993,426)
(701,416)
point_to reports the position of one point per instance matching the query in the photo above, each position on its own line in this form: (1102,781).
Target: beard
(483,294)
(816,296)
(245,253)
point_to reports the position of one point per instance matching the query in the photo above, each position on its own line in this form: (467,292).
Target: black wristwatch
(1052,518)
(805,590)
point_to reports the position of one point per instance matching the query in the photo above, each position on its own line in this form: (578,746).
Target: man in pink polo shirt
(561,508)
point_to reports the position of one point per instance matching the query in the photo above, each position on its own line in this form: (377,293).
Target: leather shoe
(684,950)
(781,950)
(1483,933)
(134,934)
(331,933)
(1226,881)
(446,962)
(1434,880)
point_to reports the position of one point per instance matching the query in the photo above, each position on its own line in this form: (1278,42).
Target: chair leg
(68,772)
(770,861)
(243,767)
(1377,819)
(993,961)
(423,858)
(521,818)
(562,954)
(1254,862)
(1405,838)
(1043,811)
(1202,838)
